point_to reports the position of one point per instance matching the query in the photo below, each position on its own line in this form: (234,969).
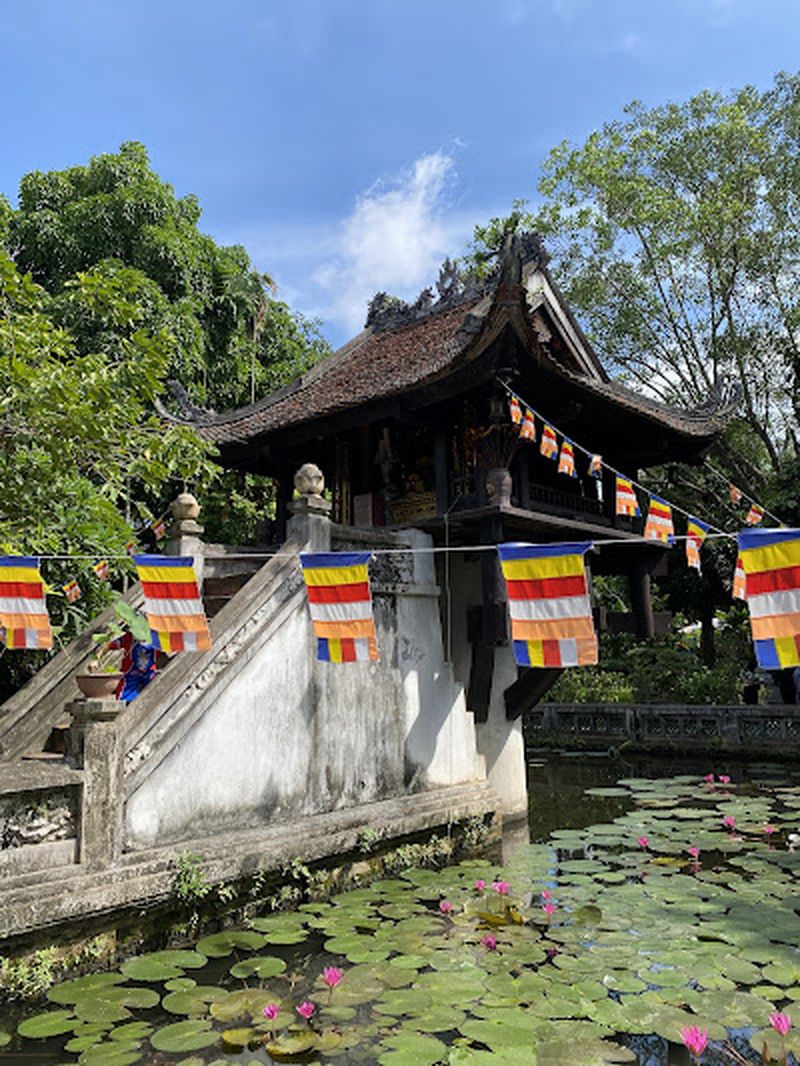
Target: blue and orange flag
(659,525)
(627,503)
(596,466)
(172,603)
(527,430)
(72,590)
(695,535)
(24,621)
(340,602)
(515,411)
(755,515)
(771,562)
(566,461)
(548,604)
(548,446)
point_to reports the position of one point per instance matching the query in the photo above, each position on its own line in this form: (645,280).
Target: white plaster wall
(285,736)
(440,738)
(499,741)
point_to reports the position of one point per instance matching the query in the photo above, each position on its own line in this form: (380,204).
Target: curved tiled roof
(389,359)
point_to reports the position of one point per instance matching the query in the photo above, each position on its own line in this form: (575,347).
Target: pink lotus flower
(694,853)
(729,821)
(549,909)
(502,888)
(270,1012)
(724,779)
(643,842)
(306,1009)
(489,942)
(709,778)
(480,885)
(695,1039)
(781,1023)
(332,975)
(546,893)
(770,829)
(445,906)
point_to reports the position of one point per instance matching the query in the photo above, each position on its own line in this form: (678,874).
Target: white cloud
(396,236)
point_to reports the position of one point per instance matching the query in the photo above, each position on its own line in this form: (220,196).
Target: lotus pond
(647,905)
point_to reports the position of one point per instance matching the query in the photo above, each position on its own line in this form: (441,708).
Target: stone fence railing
(665,726)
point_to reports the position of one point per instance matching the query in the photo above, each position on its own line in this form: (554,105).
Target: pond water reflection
(654,900)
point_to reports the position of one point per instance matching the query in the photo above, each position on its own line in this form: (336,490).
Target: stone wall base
(29,905)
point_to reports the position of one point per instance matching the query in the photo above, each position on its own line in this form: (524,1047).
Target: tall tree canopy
(674,233)
(107,290)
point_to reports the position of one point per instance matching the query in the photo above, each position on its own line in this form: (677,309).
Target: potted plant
(103,674)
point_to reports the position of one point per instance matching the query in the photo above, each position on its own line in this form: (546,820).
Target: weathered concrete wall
(285,737)
(499,742)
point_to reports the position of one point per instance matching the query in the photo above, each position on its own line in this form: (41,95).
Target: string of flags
(659,523)
(547,592)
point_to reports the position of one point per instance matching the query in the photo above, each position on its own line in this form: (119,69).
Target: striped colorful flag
(734,494)
(627,503)
(596,466)
(130,547)
(515,411)
(659,525)
(566,461)
(159,528)
(24,621)
(527,430)
(771,563)
(739,584)
(548,603)
(695,535)
(172,603)
(340,602)
(101,570)
(549,443)
(72,590)
(754,515)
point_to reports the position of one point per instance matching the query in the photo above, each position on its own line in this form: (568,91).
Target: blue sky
(351,144)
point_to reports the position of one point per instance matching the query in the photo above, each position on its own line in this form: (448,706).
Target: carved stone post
(94,746)
(310,522)
(185,534)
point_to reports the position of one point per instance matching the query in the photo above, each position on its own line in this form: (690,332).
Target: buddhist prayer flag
(734,493)
(24,621)
(72,590)
(101,570)
(659,524)
(130,547)
(548,603)
(159,528)
(739,587)
(566,461)
(527,430)
(596,466)
(172,603)
(549,443)
(754,515)
(695,535)
(340,602)
(627,502)
(514,410)
(771,563)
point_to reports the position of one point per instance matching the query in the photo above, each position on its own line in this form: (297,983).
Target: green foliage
(673,232)
(593,684)
(190,883)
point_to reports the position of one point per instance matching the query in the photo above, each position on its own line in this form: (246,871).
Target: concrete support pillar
(639,584)
(501,742)
(185,535)
(94,746)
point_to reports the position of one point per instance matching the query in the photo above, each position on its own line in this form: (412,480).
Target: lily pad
(191,1035)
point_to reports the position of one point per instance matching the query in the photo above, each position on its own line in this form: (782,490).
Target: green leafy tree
(674,233)
(112,243)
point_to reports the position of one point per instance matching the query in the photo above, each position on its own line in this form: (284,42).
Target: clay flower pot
(98,686)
